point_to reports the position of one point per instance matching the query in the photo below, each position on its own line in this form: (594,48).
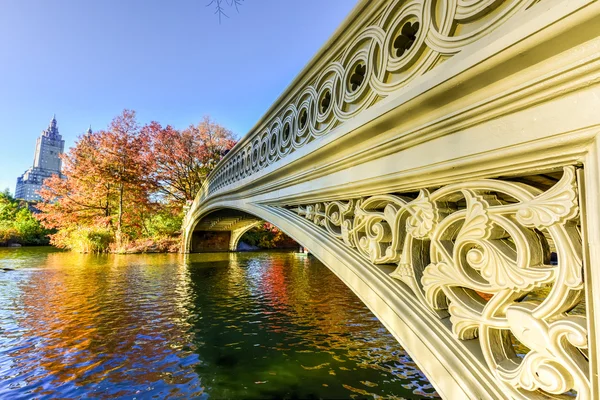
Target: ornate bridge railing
(503,259)
(393,43)
(443,159)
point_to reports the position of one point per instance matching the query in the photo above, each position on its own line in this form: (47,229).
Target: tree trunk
(120,217)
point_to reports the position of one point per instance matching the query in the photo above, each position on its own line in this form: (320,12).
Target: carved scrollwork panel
(482,253)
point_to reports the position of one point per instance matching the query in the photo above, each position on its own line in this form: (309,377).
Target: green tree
(18,224)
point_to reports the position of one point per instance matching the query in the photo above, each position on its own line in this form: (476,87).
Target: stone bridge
(442,158)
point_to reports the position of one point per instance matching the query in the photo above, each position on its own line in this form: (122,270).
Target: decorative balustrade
(401,41)
(483,252)
(456,196)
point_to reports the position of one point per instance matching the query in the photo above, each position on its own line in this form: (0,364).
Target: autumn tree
(182,159)
(129,182)
(125,166)
(265,235)
(106,183)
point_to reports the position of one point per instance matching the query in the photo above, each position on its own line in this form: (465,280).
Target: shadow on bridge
(225,230)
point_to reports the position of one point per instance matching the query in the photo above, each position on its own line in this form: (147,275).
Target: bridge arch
(423,335)
(219,230)
(443,160)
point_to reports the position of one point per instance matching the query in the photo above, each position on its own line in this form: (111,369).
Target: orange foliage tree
(182,160)
(105,185)
(114,181)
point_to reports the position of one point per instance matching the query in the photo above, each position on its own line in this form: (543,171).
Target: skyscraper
(46,162)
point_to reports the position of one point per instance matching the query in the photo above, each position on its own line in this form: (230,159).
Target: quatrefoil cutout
(286,132)
(303,118)
(358,76)
(325,102)
(407,37)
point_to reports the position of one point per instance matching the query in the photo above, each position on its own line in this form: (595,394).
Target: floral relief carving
(480,253)
(407,39)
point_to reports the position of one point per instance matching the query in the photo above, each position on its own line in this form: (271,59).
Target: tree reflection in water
(240,325)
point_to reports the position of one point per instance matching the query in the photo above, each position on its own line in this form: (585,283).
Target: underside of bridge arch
(221,230)
(224,229)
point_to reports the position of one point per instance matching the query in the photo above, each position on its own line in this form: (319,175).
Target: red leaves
(115,179)
(182,160)
(106,180)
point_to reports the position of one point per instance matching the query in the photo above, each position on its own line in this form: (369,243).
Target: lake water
(241,326)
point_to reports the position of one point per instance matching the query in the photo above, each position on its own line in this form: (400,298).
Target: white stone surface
(438,188)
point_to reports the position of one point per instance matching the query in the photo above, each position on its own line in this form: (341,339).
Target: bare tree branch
(220,8)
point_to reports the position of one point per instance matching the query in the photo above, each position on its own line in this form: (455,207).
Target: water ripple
(254,325)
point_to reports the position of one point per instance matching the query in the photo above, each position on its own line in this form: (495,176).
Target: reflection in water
(251,325)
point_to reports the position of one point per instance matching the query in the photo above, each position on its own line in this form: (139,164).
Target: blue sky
(171,61)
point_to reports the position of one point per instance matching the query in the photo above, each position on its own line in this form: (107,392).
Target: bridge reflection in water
(252,325)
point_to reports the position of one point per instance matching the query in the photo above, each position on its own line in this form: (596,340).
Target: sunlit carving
(481,252)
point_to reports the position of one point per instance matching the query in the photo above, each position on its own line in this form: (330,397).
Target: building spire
(46,162)
(52,130)
(89,130)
